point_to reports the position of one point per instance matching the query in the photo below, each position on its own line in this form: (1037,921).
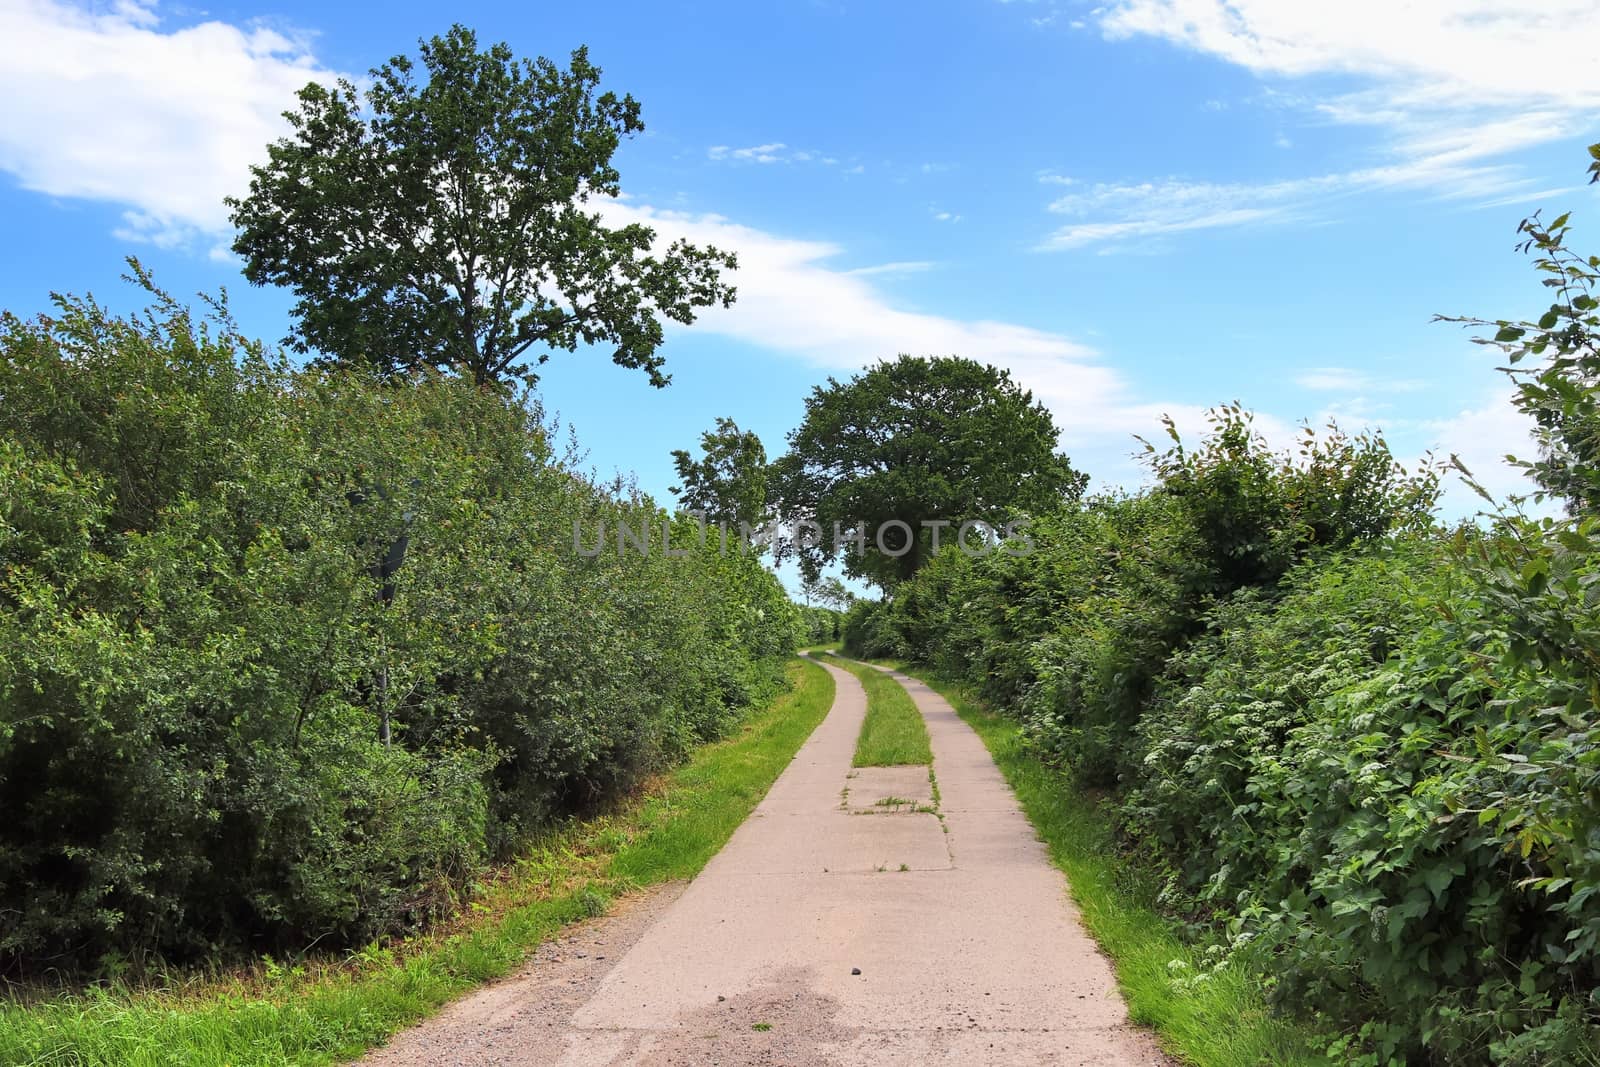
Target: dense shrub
(1074,633)
(1388,777)
(1256,512)
(1227,704)
(869,632)
(196,666)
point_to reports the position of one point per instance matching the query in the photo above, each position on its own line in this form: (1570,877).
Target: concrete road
(873,916)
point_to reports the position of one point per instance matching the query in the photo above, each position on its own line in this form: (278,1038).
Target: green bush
(1074,633)
(196,665)
(1388,778)
(869,632)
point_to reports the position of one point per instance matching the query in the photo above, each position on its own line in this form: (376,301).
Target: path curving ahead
(831,929)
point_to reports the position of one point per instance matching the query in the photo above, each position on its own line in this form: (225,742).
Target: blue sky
(1141,206)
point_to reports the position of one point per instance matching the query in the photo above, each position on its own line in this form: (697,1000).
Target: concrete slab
(842,842)
(878,789)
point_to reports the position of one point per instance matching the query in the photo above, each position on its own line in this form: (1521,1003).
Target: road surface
(856,918)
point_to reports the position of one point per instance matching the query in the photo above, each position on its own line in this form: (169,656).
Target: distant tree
(917,441)
(729,483)
(828,592)
(444,223)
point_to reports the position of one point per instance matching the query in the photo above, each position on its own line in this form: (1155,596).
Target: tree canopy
(729,483)
(920,441)
(445,221)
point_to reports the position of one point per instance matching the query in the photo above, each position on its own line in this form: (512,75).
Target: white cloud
(1347,380)
(106,105)
(1115,212)
(1482,436)
(946,216)
(773,152)
(1529,198)
(791,300)
(1439,52)
(909,266)
(1451,87)
(1445,166)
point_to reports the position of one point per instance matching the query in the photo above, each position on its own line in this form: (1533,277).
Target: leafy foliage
(194,661)
(1555,363)
(820,625)
(1075,633)
(1351,746)
(445,223)
(1256,513)
(829,592)
(729,484)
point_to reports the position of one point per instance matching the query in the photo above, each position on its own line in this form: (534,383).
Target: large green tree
(445,221)
(728,484)
(916,441)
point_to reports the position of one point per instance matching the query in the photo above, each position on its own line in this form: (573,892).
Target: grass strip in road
(893,733)
(325,1011)
(1208,1017)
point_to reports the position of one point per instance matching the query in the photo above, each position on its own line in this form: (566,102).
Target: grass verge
(1211,1018)
(893,733)
(325,1011)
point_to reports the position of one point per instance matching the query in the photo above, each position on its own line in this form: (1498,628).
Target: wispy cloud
(783,281)
(1424,53)
(1348,380)
(1451,88)
(774,152)
(109,105)
(1110,212)
(911,266)
(1449,164)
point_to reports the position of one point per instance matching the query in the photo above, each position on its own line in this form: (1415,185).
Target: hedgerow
(197,664)
(1354,745)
